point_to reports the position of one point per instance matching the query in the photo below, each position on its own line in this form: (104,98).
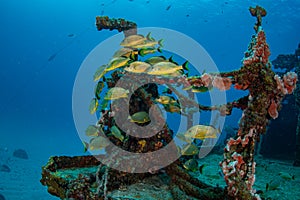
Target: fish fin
(185,65)
(159,50)
(149,37)
(160,42)
(201,168)
(85,146)
(141,52)
(133,56)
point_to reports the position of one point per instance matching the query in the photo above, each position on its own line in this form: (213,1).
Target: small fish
(125,52)
(202,132)
(148,44)
(133,40)
(115,131)
(182,137)
(91,130)
(52,57)
(164,68)
(142,143)
(117,63)
(71,35)
(155,59)
(286,176)
(140,117)
(190,150)
(100,72)
(199,89)
(137,67)
(168,8)
(173,108)
(191,165)
(116,93)
(165,100)
(93,106)
(98,143)
(149,50)
(273,184)
(98,89)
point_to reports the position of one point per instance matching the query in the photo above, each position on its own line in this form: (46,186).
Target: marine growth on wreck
(125,91)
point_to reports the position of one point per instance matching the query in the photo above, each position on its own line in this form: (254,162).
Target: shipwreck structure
(86,177)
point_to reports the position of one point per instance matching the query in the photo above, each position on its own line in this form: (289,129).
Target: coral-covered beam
(128,27)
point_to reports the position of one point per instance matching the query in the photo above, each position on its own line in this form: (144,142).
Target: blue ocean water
(43,44)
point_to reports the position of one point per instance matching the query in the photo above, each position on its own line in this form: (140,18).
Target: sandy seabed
(23,181)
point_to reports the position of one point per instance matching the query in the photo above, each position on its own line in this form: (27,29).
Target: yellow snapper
(165,100)
(155,59)
(91,130)
(164,68)
(189,150)
(117,133)
(140,117)
(149,50)
(183,138)
(173,108)
(137,67)
(133,40)
(98,89)
(98,143)
(191,165)
(117,63)
(125,52)
(116,93)
(93,106)
(148,44)
(202,132)
(100,72)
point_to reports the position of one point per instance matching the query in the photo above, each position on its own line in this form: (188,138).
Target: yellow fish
(155,59)
(117,63)
(133,40)
(165,100)
(137,67)
(164,68)
(98,143)
(191,165)
(202,132)
(125,52)
(91,130)
(116,93)
(183,138)
(100,72)
(189,150)
(140,117)
(117,133)
(148,44)
(93,106)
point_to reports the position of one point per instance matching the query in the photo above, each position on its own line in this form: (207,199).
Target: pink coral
(272,110)
(222,83)
(260,52)
(289,81)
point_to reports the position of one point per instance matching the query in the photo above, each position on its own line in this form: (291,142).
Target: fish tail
(185,65)
(159,50)
(160,42)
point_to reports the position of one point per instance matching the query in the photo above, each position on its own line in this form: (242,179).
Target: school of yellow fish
(126,59)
